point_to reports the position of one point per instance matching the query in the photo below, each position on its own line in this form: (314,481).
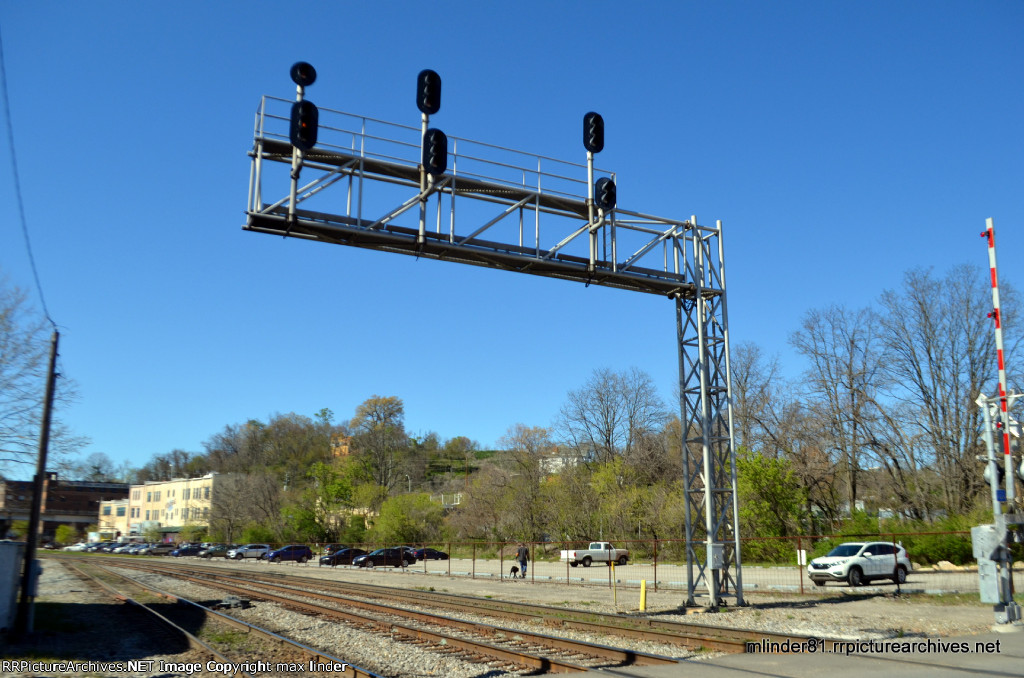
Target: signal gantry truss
(364,184)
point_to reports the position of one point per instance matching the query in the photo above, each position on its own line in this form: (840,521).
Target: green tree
(192,533)
(380,440)
(18,529)
(770,499)
(66,534)
(409,519)
(316,512)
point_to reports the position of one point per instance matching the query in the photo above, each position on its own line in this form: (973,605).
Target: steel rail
(693,636)
(475,648)
(690,635)
(193,642)
(603,651)
(307,652)
(230,581)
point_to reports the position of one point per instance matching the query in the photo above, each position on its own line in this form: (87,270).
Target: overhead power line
(17,185)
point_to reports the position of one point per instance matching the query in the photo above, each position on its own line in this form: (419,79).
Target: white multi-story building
(170,505)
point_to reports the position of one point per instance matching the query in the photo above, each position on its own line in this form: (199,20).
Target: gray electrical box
(716,556)
(986,541)
(12,553)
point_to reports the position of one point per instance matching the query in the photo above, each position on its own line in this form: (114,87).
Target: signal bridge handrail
(273,124)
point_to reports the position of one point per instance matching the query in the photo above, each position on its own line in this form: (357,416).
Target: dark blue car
(299,553)
(186,550)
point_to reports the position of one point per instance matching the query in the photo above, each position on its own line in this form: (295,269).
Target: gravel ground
(842,614)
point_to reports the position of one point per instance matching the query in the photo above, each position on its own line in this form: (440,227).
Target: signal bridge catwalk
(363,185)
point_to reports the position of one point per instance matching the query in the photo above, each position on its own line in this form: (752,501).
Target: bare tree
(486,505)
(755,399)
(97,467)
(844,353)
(612,411)
(527,447)
(940,354)
(24,351)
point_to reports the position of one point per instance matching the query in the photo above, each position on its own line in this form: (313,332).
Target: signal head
(604,193)
(593,132)
(435,152)
(428,91)
(304,125)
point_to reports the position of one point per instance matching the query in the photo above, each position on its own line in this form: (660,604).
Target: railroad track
(694,637)
(252,641)
(476,642)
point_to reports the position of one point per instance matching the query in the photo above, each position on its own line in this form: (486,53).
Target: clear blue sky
(841,144)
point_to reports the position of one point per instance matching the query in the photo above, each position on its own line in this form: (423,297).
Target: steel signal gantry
(531,214)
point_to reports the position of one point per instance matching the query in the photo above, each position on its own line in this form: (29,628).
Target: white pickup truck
(597,552)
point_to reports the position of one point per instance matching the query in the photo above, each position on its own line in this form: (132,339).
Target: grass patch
(945,599)
(224,637)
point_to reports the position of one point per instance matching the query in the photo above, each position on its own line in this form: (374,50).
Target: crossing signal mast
(526,214)
(991,542)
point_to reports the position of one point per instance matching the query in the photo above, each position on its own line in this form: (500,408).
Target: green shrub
(772,551)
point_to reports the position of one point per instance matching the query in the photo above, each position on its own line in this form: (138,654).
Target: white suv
(859,562)
(248,551)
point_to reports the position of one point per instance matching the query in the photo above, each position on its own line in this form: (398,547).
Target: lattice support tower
(528,214)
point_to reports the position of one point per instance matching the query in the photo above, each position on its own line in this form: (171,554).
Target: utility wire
(17,184)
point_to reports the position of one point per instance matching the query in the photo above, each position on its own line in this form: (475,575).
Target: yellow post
(643,595)
(615,588)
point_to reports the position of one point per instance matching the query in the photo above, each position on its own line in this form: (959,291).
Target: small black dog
(514,572)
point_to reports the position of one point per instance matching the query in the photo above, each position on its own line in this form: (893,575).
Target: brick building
(75,503)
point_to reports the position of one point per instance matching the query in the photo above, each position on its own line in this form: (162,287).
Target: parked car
(76,547)
(186,550)
(155,550)
(249,551)
(328,549)
(134,549)
(216,550)
(299,553)
(859,562)
(342,557)
(122,548)
(430,554)
(394,557)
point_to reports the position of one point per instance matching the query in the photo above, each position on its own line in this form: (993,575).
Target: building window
(206,512)
(156,496)
(149,497)
(121,511)
(206,492)
(147,515)
(106,510)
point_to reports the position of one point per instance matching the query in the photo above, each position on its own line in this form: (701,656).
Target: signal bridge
(539,212)
(340,178)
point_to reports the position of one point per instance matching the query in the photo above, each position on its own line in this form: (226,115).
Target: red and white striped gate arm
(995,314)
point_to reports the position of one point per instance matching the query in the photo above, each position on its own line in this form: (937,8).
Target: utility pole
(23,619)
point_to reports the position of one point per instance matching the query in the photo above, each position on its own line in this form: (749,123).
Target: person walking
(523,556)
